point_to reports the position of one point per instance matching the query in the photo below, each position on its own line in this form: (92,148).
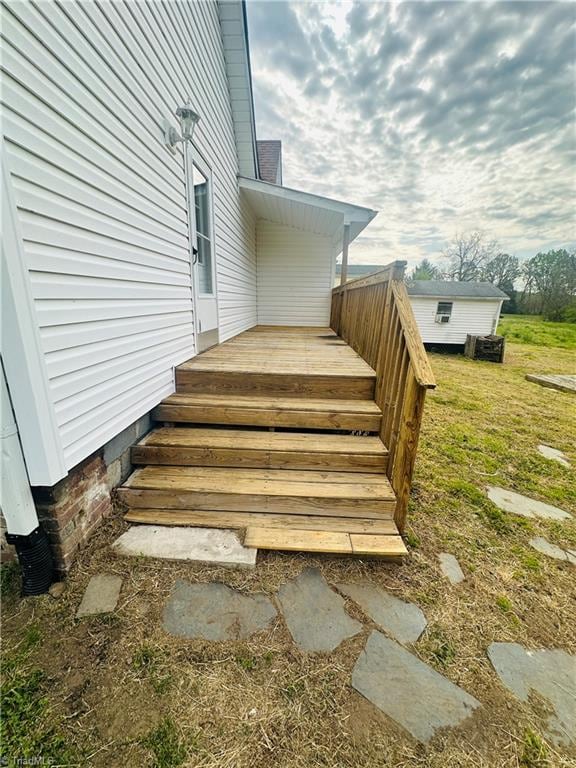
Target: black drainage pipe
(35,559)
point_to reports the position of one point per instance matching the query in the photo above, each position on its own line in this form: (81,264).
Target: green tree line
(544,284)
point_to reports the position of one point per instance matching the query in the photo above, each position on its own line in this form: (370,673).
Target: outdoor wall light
(188,119)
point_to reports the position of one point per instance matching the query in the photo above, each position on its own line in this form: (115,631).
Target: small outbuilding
(447,311)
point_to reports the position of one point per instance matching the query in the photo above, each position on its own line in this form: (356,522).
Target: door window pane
(203,234)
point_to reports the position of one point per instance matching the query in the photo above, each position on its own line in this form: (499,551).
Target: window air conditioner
(442,318)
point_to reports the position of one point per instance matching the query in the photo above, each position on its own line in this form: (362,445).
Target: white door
(204,272)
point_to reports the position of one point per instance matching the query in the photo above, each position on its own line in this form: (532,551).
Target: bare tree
(467,254)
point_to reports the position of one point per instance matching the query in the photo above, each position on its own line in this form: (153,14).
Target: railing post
(345,245)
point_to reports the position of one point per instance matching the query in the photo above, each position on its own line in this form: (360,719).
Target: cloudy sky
(443,116)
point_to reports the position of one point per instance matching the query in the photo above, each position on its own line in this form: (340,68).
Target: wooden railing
(373,315)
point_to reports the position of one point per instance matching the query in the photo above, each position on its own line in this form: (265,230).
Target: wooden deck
(262,436)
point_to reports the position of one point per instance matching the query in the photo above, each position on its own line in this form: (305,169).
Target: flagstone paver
(315,614)
(551,673)
(546,547)
(101,595)
(513,502)
(404,621)
(205,545)
(215,612)
(450,568)
(554,454)
(410,692)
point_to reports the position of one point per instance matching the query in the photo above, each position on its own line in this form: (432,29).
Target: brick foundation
(72,509)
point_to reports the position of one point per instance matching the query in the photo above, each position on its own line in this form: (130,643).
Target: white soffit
(302,210)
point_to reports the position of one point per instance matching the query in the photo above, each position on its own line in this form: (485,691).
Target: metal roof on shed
(446,289)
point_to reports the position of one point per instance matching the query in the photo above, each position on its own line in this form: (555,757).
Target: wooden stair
(209,447)
(266,411)
(261,441)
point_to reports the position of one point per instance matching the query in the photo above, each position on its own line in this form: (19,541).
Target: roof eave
(350,211)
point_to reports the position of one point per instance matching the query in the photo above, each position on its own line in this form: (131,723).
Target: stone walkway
(546,547)
(314,613)
(390,676)
(387,673)
(554,454)
(101,595)
(404,621)
(407,690)
(551,673)
(450,568)
(395,680)
(510,501)
(215,612)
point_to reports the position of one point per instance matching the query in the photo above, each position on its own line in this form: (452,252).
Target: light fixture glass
(188,120)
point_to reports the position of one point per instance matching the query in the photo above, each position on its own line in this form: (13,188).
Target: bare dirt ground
(117,691)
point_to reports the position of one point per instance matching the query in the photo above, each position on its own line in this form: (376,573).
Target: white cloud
(441,115)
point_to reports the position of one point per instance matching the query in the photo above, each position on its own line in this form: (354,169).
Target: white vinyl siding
(294,276)
(101,200)
(478,317)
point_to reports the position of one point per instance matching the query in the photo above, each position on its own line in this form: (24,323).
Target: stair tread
(241,520)
(330,542)
(278,403)
(259,482)
(193,437)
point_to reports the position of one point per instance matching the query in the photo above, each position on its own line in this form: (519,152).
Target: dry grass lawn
(117,692)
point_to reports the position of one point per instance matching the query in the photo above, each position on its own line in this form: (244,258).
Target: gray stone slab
(101,595)
(513,502)
(546,547)
(551,673)
(554,454)
(215,612)
(204,545)
(564,383)
(315,614)
(450,568)
(404,621)
(410,692)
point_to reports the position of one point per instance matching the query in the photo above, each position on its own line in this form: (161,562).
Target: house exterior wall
(294,276)
(475,316)
(101,202)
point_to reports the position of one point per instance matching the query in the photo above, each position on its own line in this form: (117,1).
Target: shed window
(444,311)
(444,308)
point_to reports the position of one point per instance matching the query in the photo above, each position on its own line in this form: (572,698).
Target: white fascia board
(351,213)
(234,32)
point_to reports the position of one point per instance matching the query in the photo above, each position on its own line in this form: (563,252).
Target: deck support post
(345,244)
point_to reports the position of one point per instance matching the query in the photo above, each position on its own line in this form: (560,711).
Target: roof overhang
(234,30)
(304,211)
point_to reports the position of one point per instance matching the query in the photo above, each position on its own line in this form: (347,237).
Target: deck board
(294,351)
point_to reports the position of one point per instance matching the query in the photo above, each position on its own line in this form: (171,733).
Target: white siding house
(124,256)
(446,312)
